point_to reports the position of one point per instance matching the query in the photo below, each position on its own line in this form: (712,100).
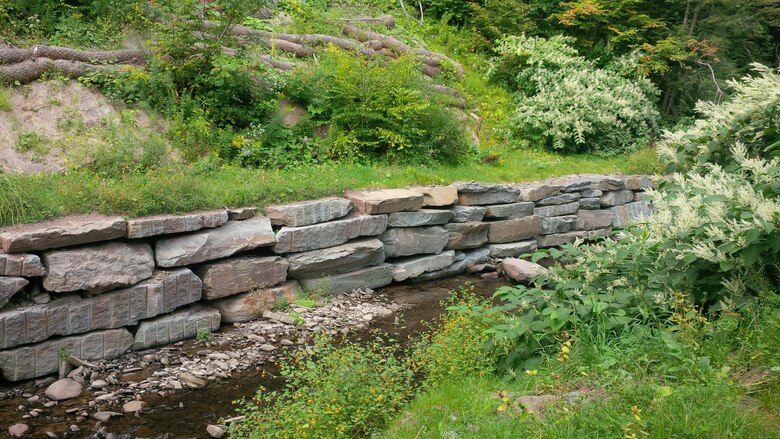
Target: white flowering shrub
(566,103)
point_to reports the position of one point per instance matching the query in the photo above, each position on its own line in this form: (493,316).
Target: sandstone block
(559,199)
(97,268)
(468,214)
(370,277)
(168,224)
(10,286)
(631,212)
(638,182)
(62,232)
(339,259)
(181,325)
(558,224)
(557,209)
(464,260)
(537,191)
(410,268)
(590,203)
(41,359)
(575,183)
(316,236)
(511,249)
(309,212)
(413,241)
(437,196)
(250,306)
(521,270)
(207,245)
(616,198)
(476,194)
(513,230)
(466,235)
(422,217)
(510,211)
(385,200)
(21,265)
(594,219)
(240,274)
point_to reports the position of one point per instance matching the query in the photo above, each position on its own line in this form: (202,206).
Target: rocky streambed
(179,390)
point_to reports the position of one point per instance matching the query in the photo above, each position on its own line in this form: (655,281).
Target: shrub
(567,103)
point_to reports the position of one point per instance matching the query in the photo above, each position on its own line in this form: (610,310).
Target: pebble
(133,406)
(98,384)
(215,431)
(63,389)
(267,348)
(105,416)
(18,430)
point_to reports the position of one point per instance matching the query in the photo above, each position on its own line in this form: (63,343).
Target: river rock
(509,211)
(511,249)
(63,389)
(409,268)
(437,196)
(192,381)
(62,232)
(521,270)
(19,430)
(10,286)
(332,233)
(631,212)
(215,431)
(339,259)
(181,325)
(557,209)
(308,212)
(168,224)
(593,219)
(413,241)
(557,224)
(477,194)
(133,406)
(423,217)
(240,274)
(105,416)
(370,277)
(616,198)
(385,200)
(514,230)
(250,306)
(466,235)
(21,265)
(98,268)
(468,214)
(559,199)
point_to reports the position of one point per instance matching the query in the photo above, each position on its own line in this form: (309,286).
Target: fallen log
(28,71)
(127,56)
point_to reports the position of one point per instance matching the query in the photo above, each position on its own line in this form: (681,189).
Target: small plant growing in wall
(203,334)
(281,304)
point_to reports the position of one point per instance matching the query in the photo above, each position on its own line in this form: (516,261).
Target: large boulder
(240,274)
(339,259)
(97,268)
(168,224)
(385,200)
(370,277)
(250,306)
(308,212)
(210,244)
(521,270)
(62,232)
(316,236)
(413,241)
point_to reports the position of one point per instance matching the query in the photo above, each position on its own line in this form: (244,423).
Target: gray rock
(594,219)
(10,286)
(616,198)
(413,241)
(574,183)
(514,230)
(385,200)
(559,199)
(370,277)
(468,214)
(510,211)
(558,224)
(639,196)
(241,274)
(250,306)
(316,236)
(590,203)
(423,217)
(638,182)
(269,347)
(339,259)
(62,232)
(105,416)
(215,431)
(191,381)
(19,430)
(308,212)
(279,317)
(41,359)
(21,265)
(207,245)
(168,224)
(97,268)
(133,406)
(557,209)
(437,196)
(610,183)
(470,257)
(631,213)
(591,193)
(466,235)
(477,194)
(63,389)
(409,268)
(563,238)
(511,249)
(181,325)
(241,213)
(521,270)
(537,191)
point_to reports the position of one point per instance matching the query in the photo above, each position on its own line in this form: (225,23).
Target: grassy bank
(25,198)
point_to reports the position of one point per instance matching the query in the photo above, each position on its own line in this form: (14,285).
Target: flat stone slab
(410,268)
(308,212)
(21,265)
(631,212)
(536,191)
(330,234)
(62,232)
(181,325)
(385,200)
(437,196)
(98,268)
(207,245)
(590,203)
(244,307)
(370,277)
(423,217)
(564,238)
(468,214)
(466,235)
(339,259)
(557,209)
(510,211)
(10,286)
(594,219)
(616,198)
(241,213)
(520,270)
(558,224)
(559,199)
(517,229)
(413,241)
(162,293)
(240,274)
(463,261)
(478,194)
(168,224)
(512,249)
(639,182)
(27,362)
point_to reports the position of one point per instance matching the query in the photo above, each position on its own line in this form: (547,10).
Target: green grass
(5,99)
(28,198)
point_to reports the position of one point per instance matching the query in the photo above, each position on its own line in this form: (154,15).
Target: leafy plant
(203,334)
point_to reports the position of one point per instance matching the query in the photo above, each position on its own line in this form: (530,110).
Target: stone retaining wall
(94,286)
